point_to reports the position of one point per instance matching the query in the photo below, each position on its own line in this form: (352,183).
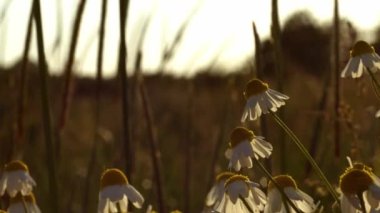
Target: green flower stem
(246,204)
(373,78)
(24,204)
(307,155)
(375,83)
(269,176)
(360,196)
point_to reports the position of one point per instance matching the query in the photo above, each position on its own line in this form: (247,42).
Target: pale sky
(219,31)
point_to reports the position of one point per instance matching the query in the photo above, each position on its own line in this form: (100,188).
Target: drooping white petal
(134,196)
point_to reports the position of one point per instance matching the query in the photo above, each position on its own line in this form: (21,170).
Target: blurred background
(168,124)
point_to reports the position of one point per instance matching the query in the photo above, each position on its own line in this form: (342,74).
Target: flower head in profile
(359,180)
(16,179)
(16,204)
(363,56)
(301,200)
(217,191)
(237,188)
(115,189)
(244,144)
(261,99)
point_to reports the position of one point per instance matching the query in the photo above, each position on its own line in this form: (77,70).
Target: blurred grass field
(194,114)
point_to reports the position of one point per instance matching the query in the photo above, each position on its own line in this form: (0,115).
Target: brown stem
(43,74)
(155,152)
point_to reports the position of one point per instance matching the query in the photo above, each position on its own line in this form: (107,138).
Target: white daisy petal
(134,196)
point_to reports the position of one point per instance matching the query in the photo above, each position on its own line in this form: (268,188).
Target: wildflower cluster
(235,192)
(17,183)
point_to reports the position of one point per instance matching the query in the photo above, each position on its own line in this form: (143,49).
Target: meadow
(169,134)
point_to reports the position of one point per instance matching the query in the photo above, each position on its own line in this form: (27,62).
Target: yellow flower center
(240,134)
(176,211)
(224,176)
(283,181)
(354,181)
(236,178)
(27,198)
(361,166)
(255,87)
(360,48)
(15,166)
(112,177)
(2,211)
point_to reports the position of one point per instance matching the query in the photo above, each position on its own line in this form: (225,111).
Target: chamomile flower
(359,180)
(115,189)
(217,191)
(239,187)
(261,99)
(244,145)
(301,200)
(16,204)
(362,56)
(15,179)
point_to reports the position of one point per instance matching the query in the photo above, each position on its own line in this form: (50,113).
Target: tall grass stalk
(304,151)
(316,135)
(269,176)
(337,97)
(68,85)
(222,132)
(155,152)
(279,68)
(188,147)
(122,71)
(99,78)
(23,77)
(46,113)
(260,75)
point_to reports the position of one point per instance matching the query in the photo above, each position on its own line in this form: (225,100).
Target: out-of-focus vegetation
(215,102)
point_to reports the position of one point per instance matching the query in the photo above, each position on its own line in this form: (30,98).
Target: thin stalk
(24,204)
(375,89)
(337,80)
(306,154)
(21,98)
(260,75)
(99,78)
(318,125)
(155,152)
(129,155)
(68,85)
(246,204)
(375,82)
(46,113)
(188,147)
(361,200)
(276,36)
(279,188)
(220,139)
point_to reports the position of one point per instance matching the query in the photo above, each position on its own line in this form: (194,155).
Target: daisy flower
(261,99)
(301,200)
(362,56)
(116,191)
(15,179)
(244,145)
(359,180)
(241,194)
(217,191)
(16,204)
